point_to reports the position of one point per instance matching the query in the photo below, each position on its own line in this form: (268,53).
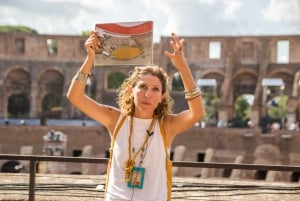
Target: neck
(143,115)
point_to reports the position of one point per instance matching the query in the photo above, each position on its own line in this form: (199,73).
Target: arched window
(115,79)
(18,105)
(177,84)
(52,105)
(242,108)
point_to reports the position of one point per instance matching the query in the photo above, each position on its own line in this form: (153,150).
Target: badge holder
(137,178)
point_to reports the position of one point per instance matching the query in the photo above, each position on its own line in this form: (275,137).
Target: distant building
(39,68)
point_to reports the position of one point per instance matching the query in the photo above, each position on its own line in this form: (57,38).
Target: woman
(142,128)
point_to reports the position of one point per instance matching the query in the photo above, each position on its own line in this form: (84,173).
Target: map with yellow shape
(125,43)
(125,53)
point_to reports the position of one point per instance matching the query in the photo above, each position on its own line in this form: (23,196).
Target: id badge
(137,179)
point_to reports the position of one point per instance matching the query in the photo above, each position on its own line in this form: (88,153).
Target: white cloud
(283,11)
(170,15)
(208,2)
(184,17)
(231,7)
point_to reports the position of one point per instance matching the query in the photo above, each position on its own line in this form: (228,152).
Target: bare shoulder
(175,124)
(168,128)
(170,119)
(110,117)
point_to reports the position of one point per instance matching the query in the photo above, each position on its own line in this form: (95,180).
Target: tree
(19,29)
(51,101)
(242,108)
(212,104)
(85,33)
(18,105)
(278,110)
(177,84)
(115,80)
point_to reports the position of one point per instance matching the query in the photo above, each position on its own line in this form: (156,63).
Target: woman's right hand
(92,44)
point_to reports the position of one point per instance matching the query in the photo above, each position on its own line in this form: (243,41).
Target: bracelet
(196,89)
(81,77)
(193,93)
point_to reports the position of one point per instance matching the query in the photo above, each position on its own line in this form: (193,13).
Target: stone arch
(91,85)
(295,177)
(176,82)
(287,77)
(171,74)
(244,83)
(296,85)
(107,75)
(50,83)
(219,77)
(244,71)
(51,80)
(11,166)
(206,72)
(16,81)
(114,80)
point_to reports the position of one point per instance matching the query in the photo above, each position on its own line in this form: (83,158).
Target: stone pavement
(14,187)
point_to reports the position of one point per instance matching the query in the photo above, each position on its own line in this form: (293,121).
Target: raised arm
(184,120)
(104,114)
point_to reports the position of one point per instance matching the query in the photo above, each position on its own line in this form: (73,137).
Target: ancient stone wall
(197,144)
(39,65)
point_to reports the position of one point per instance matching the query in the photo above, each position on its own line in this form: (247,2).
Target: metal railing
(33,159)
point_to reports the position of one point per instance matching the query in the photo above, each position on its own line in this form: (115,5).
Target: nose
(148,93)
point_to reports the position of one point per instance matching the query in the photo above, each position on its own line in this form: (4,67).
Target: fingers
(177,46)
(95,39)
(175,38)
(168,54)
(176,43)
(177,56)
(92,43)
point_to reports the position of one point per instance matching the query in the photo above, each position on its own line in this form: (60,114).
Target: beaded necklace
(129,165)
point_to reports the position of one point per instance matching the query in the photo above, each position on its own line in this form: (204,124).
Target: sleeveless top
(155,178)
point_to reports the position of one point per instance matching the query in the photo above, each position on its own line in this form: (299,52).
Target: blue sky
(184,17)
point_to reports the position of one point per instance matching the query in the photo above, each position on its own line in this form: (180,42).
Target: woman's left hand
(177,56)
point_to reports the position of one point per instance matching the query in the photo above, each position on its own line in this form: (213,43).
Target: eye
(156,89)
(142,86)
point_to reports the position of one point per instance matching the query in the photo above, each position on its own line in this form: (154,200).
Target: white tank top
(154,162)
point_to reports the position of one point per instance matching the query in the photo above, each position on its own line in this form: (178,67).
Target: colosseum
(38,69)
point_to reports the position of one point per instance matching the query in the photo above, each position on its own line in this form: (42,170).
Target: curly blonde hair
(125,99)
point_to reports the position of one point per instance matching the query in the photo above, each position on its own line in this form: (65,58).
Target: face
(147,95)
